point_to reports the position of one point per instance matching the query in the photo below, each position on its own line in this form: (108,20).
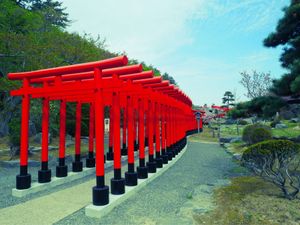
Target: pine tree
(287,34)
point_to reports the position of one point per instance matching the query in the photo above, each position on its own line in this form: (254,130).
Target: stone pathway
(172,198)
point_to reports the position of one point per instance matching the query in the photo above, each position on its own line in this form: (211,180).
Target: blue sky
(203,44)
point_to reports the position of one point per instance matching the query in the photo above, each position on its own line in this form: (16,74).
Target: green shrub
(14,131)
(243,122)
(276,161)
(256,133)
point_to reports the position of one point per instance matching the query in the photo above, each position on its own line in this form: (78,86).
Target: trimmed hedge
(276,161)
(255,133)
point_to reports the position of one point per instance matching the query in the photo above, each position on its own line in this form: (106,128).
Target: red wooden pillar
(151,164)
(177,133)
(141,169)
(163,134)
(100,191)
(117,182)
(23,180)
(124,133)
(158,156)
(110,154)
(90,160)
(169,127)
(62,168)
(44,175)
(131,175)
(77,164)
(136,145)
(146,127)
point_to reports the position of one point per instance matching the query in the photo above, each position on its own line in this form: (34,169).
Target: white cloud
(146,30)
(156,31)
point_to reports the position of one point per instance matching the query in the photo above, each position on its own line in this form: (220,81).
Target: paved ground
(176,195)
(172,198)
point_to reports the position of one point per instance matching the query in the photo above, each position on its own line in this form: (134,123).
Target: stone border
(56,181)
(115,200)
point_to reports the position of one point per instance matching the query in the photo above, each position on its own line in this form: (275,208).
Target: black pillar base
(23,181)
(136,147)
(151,167)
(100,195)
(117,186)
(44,176)
(142,172)
(165,159)
(77,166)
(176,150)
(159,162)
(170,155)
(131,178)
(90,162)
(173,153)
(110,156)
(124,151)
(61,171)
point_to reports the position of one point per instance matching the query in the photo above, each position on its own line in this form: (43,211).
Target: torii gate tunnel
(154,111)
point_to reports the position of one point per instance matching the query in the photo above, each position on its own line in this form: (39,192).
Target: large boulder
(225,139)
(295,120)
(281,126)
(236,139)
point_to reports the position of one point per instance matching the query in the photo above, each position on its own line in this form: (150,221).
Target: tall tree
(52,11)
(166,76)
(228,99)
(256,84)
(287,34)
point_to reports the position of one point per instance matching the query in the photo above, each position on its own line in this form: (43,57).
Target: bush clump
(276,161)
(255,133)
(242,122)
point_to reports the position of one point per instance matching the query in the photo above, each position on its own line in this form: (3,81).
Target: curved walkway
(172,198)
(176,195)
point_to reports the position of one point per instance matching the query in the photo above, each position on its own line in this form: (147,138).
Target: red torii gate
(168,113)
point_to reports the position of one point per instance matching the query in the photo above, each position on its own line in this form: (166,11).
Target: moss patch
(250,200)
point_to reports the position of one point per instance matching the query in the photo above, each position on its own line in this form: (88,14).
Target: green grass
(231,130)
(251,201)
(293,130)
(205,136)
(238,147)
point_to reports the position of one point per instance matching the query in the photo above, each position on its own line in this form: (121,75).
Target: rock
(295,120)
(16,163)
(68,137)
(35,149)
(84,140)
(237,156)
(51,148)
(236,139)
(3,128)
(32,129)
(296,139)
(281,126)
(230,121)
(38,138)
(225,139)
(248,120)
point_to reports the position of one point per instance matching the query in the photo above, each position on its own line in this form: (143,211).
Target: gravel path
(175,196)
(8,180)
